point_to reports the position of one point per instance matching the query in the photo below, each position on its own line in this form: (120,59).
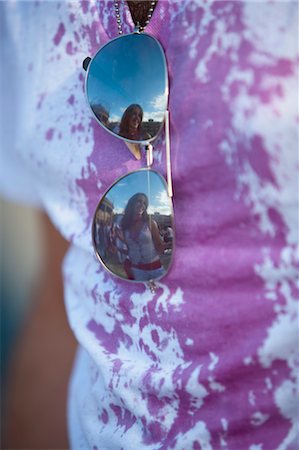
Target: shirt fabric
(209,360)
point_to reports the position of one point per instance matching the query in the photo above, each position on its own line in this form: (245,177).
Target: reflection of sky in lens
(144,182)
(126,71)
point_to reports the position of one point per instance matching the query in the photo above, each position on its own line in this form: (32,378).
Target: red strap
(149,266)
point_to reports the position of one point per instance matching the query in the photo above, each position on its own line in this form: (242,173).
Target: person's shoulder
(152,224)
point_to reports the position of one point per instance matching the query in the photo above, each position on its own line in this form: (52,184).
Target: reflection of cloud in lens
(161,204)
(118,210)
(156,116)
(158,102)
(114,118)
(162,198)
(165,211)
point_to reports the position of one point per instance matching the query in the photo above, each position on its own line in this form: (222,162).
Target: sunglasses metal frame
(149,154)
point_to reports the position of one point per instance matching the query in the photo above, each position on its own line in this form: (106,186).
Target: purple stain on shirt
(59,34)
(260,160)
(93,10)
(76,35)
(70,49)
(41,99)
(49,134)
(104,416)
(110,341)
(93,33)
(85,6)
(124,417)
(153,432)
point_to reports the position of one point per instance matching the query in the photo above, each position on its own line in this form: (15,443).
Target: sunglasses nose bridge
(134,149)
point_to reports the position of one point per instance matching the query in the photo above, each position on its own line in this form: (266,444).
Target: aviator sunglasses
(127,91)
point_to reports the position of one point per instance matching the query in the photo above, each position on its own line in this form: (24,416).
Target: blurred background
(21,263)
(37,345)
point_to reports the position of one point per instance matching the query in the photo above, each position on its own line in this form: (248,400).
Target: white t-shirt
(209,360)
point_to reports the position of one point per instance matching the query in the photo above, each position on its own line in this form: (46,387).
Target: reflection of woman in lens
(131,124)
(141,234)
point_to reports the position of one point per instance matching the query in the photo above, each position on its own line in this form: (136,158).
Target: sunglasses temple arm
(168,159)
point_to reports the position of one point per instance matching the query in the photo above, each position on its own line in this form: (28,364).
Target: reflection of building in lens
(104,230)
(101,113)
(163,220)
(151,127)
(105,211)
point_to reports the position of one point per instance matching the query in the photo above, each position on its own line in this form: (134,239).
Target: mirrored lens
(127,87)
(133,230)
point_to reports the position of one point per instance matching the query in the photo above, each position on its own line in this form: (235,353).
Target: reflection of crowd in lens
(102,114)
(134,241)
